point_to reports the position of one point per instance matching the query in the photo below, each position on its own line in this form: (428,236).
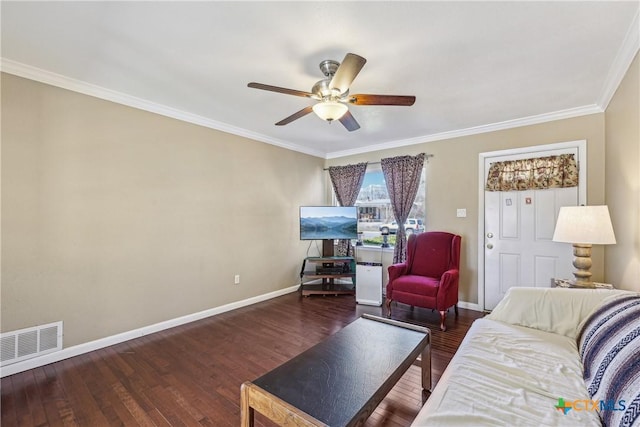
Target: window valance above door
(533,174)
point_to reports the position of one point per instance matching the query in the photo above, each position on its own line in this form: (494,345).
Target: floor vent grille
(27,343)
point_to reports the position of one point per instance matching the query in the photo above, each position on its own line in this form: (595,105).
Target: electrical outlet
(461,213)
(236,279)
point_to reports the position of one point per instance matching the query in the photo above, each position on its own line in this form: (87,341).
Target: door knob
(489,246)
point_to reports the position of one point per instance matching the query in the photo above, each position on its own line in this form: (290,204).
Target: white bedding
(507,375)
(557,310)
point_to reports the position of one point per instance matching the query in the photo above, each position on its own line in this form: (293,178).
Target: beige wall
(114,218)
(452,180)
(622,119)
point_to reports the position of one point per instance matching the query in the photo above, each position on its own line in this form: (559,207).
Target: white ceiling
(473,66)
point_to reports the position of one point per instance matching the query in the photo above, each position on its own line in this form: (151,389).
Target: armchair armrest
(448,289)
(448,279)
(397,270)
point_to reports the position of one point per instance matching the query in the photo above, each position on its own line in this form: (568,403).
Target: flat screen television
(328,222)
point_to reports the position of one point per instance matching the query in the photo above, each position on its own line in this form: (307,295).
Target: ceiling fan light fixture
(330,110)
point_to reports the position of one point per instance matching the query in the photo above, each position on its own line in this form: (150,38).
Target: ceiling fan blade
(295,116)
(363,99)
(347,71)
(281,90)
(349,122)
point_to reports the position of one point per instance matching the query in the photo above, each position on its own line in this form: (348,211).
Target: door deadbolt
(489,235)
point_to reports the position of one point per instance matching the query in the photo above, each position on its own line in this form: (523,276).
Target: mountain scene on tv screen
(329,227)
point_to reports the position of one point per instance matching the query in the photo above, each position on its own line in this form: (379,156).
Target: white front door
(518,228)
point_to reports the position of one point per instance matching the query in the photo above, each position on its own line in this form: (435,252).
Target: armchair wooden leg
(455,307)
(443,317)
(388,304)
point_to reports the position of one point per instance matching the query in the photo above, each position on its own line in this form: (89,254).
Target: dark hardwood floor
(191,375)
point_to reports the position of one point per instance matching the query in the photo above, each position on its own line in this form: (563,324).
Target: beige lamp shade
(584,224)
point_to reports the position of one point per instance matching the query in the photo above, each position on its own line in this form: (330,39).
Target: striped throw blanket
(609,345)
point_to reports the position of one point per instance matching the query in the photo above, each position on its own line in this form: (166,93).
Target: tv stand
(319,278)
(319,274)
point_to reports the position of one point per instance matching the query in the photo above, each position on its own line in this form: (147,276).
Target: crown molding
(508,124)
(58,80)
(43,76)
(622,62)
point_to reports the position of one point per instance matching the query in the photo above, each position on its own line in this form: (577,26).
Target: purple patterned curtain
(402,175)
(347,181)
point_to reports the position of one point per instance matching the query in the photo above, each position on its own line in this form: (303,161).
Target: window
(375,212)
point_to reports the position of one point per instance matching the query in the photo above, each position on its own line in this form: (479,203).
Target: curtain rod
(427,156)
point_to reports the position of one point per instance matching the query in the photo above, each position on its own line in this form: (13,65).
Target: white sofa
(516,363)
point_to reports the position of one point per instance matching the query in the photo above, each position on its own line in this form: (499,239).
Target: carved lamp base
(582,263)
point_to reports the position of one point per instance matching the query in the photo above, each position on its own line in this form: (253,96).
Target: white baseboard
(469,305)
(79,349)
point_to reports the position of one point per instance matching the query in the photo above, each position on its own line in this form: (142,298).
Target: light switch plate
(461,213)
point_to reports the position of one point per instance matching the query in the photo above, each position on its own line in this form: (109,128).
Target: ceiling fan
(332,93)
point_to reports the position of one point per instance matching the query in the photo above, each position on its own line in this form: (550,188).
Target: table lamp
(584,226)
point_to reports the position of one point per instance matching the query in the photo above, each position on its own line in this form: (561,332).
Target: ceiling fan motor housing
(323,90)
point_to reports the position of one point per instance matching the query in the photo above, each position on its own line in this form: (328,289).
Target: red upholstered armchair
(429,276)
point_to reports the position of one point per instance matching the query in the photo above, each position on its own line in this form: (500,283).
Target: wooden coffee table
(340,381)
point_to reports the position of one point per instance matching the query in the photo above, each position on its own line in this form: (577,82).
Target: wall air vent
(28,343)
